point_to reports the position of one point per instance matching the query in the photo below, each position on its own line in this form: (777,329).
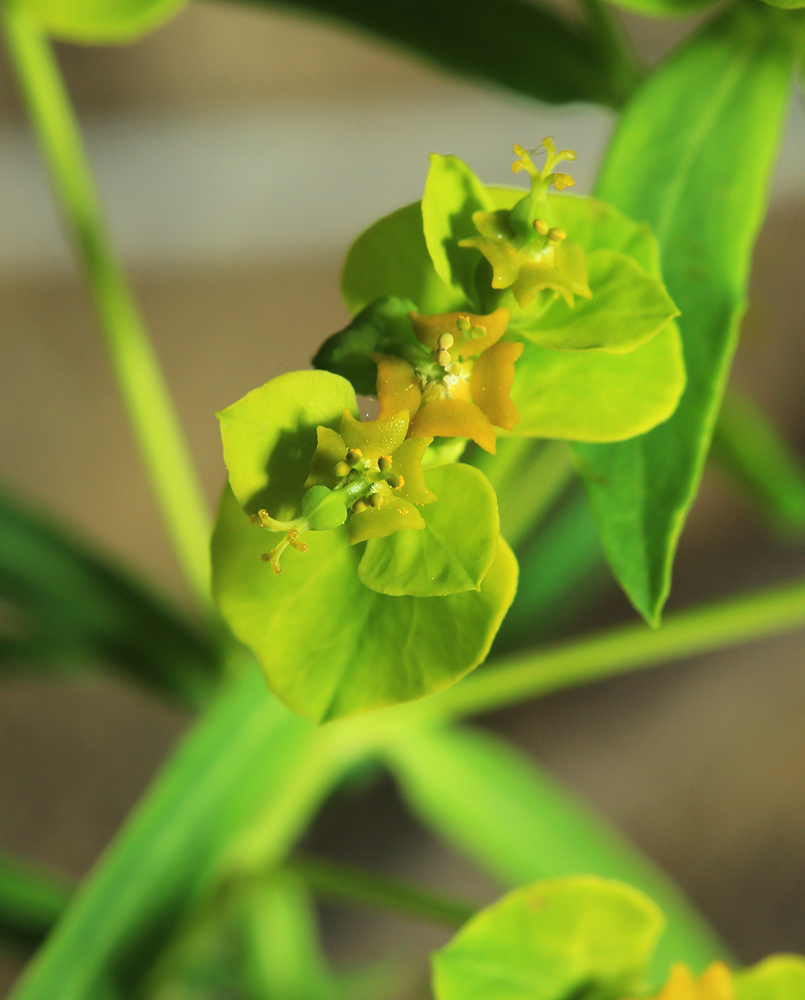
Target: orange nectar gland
(324,508)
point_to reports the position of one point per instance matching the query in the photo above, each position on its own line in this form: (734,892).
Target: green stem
(686,633)
(348,883)
(30,902)
(142,385)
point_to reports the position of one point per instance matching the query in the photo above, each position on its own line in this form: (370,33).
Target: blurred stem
(141,382)
(348,883)
(686,633)
(30,902)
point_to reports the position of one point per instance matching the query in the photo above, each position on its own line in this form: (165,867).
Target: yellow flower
(463,390)
(715,983)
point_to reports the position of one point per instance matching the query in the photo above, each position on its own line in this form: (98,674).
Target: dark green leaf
(495,805)
(562,938)
(31,901)
(524,46)
(69,604)
(382,327)
(692,156)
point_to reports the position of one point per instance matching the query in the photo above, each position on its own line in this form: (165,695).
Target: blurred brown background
(239,152)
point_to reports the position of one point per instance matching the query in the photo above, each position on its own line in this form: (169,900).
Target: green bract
(98,21)
(781,977)
(602,357)
(329,645)
(560,939)
(349,626)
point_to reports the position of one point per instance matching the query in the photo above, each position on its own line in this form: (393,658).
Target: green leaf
(494,804)
(369,650)
(551,941)
(526,47)
(69,604)
(382,327)
(101,21)
(598,225)
(692,156)
(780,977)
(269,437)
(628,308)
(233,798)
(595,396)
(391,258)
(31,901)
(454,551)
(452,194)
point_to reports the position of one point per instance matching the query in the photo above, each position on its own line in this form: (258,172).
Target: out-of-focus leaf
(749,447)
(96,22)
(525,47)
(237,793)
(781,977)
(557,939)
(372,650)
(495,805)
(665,8)
(31,901)
(692,156)
(67,603)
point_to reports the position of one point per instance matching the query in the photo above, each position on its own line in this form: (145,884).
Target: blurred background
(239,151)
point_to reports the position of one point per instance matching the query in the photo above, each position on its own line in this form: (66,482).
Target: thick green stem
(686,633)
(138,372)
(350,884)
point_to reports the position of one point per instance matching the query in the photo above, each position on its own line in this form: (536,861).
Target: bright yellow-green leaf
(270,437)
(391,258)
(454,551)
(101,21)
(555,940)
(781,977)
(329,646)
(595,396)
(628,308)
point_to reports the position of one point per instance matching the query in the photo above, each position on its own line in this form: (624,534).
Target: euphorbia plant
(363,562)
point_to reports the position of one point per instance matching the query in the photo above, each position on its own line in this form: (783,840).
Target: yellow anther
(562,181)
(477,332)
(446,341)
(556,235)
(354,458)
(463,324)
(541,227)
(375,500)
(341,469)
(396,482)
(384,463)
(358,507)
(517,166)
(444,358)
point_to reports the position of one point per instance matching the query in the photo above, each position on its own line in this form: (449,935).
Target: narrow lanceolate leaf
(520,45)
(495,805)
(234,797)
(692,157)
(68,604)
(31,902)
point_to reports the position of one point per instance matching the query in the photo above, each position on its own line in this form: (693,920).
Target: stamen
(384,463)
(396,482)
(354,458)
(359,507)
(374,500)
(444,358)
(557,235)
(463,324)
(446,341)
(541,227)
(477,332)
(341,469)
